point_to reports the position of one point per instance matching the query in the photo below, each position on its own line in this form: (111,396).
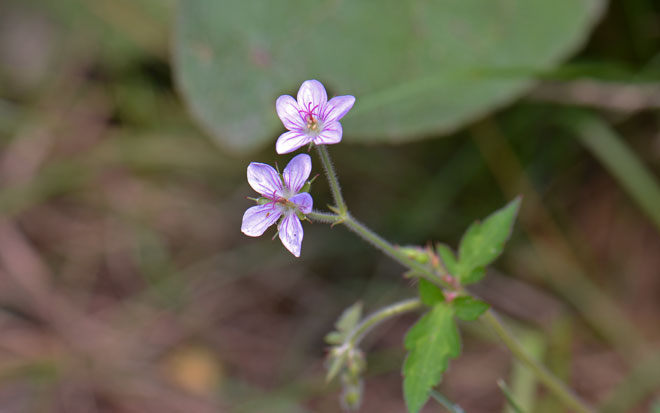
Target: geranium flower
(281,198)
(312,118)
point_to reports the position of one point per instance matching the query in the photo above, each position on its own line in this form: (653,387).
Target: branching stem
(342,216)
(384,314)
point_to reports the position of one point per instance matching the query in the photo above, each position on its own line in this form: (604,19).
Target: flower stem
(332,178)
(553,384)
(325,217)
(385,313)
(390,250)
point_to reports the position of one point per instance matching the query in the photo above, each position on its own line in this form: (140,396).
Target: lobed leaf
(469,308)
(429,293)
(484,241)
(431,342)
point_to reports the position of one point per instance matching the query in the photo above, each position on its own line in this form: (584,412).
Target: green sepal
(335,363)
(307,187)
(334,337)
(416,253)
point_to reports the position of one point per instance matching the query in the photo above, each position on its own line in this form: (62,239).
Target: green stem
(343,217)
(325,217)
(377,241)
(390,250)
(332,178)
(553,384)
(385,313)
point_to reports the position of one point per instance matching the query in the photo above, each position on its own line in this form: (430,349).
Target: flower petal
(291,233)
(264,179)
(290,141)
(312,94)
(297,171)
(330,134)
(304,202)
(287,110)
(337,107)
(257,219)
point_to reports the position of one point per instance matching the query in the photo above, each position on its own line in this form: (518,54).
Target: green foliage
(483,242)
(431,342)
(468,308)
(339,357)
(348,320)
(429,293)
(447,257)
(416,68)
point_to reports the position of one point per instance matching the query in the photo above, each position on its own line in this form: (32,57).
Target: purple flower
(280,198)
(312,118)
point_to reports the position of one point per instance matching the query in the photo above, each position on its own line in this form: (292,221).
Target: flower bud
(415,253)
(351,396)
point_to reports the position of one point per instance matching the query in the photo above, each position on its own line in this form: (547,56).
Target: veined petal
(290,141)
(288,111)
(337,107)
(312,94)
(257,219)
(291,233)
(297,171)
(264,179)
(330,134)
(304,202)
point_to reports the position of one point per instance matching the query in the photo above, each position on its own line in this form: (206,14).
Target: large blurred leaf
(416,67)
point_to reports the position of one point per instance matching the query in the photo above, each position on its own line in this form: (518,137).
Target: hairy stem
(390,250)
(324,217)
(332,178)
(385,313)
(342,216)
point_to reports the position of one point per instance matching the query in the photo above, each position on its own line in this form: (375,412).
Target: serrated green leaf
(483,242)
(468,308)
(429,293)
(431,342)
(447,257)
(416,68)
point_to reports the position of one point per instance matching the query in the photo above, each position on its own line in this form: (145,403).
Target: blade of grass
(620,161)
(446,403)
(523,381)
(552,257)
(512,405)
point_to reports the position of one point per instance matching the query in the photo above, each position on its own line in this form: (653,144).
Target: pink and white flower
(281,198)
(312,118)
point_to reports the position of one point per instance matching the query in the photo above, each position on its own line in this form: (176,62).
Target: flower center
(312,124)
(311,117)
(287,207)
